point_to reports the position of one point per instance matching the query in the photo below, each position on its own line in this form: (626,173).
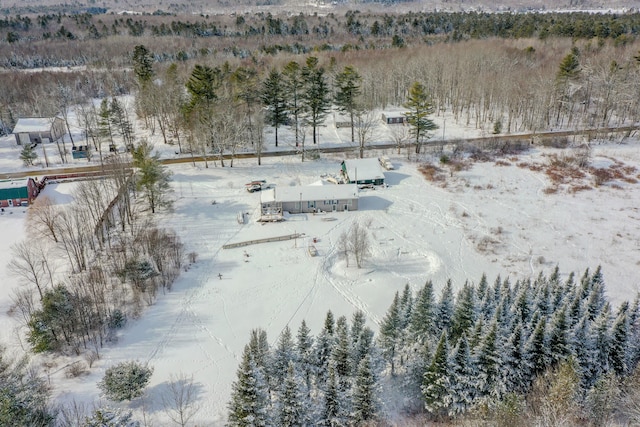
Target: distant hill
(12,7)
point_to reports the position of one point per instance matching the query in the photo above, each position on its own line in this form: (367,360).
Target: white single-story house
(308,198)
(35,130)
(363,171)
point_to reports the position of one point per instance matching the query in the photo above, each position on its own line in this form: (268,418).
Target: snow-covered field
(493,219)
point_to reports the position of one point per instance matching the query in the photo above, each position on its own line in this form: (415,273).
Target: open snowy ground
(491,218)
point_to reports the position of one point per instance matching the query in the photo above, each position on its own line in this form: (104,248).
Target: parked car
(385,163)
(257,185)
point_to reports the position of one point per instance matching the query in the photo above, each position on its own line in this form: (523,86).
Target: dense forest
(541,351)
(505,72)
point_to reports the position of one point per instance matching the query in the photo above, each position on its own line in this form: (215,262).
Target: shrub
(117,319)
(76,369)
(125,381)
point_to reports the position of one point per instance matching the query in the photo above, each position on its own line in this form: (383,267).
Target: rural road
(533,137)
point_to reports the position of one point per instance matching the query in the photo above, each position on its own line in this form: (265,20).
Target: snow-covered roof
(13,183)
(33,124)
(310,193)
(394,113)
(363,169)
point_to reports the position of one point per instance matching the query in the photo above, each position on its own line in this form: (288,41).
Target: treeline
(537,352)
(80,39)
(90,266)
(411,26)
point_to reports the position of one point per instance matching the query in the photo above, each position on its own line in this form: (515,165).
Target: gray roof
(364,169)
(33,124)
(308,193)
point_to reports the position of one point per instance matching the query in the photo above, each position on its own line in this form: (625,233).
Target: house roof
(394,113)
(310,193)
(33,124)
(13,183)
(363,169)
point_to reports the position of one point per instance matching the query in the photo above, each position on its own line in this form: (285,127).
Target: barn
(35,130)
(18,192)
(307,199)
(363,171)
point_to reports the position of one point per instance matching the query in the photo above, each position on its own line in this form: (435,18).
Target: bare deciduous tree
(29,262)
(180,399)
(43,215)
(365,123)
(360,244)
(344,246)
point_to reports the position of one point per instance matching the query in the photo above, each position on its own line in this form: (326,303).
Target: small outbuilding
(394,118)
(35,130)
(363,171)
(308,199)
(18,192)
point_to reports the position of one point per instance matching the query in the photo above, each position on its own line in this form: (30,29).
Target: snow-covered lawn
(491,218)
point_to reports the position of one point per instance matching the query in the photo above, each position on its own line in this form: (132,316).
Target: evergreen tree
(121,123)
(488,362)
(249,404)
(406,307)
(347,85)
(125,381)
(513,375)
(105,127)
(259,347)
(422,325)
(601,342)
(522,308)
(341,352)
(24,395)
(569,67)
(619,347)
(420,108)
(203,85)
(365,393)
(445,308)
(273,96)
(390,332)
(294,89)
(357,328)
(464,312)
(536,350)
(292,407)
(28,155)
(596,299)
(331,404)
(315,96)
(463,381)
(558,336)
(324,346)
(435,384)
(152,178)
(143,64)
(284,354)
(106,417)
(305,356)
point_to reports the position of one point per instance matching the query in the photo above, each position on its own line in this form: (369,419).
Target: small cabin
(394,118)
(36,130)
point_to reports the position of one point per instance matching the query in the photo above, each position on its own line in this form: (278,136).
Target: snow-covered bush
(125,381)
